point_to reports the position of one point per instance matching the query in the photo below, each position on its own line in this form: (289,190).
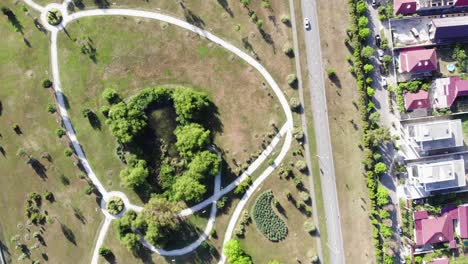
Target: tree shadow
(268,39)
(144,254)
(281,210)
(248,46)
(79,4)
(111,258)
(102,3)
(66,103)
(79,215)
(38,167)
(335,80)
(68,233)
(27,42)
(13,19)
(226,7)
(94,121)
(211,119)
(39,26)
(193,19)
(2,150)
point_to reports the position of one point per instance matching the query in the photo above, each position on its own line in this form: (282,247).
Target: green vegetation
(54,17)
(459,55)
(266,220)
(115,205)
(411,87)
(235,254)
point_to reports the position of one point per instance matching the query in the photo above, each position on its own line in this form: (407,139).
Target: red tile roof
(417,100)
(418,60)
(404,7)
(440,261)
(436,230)
(418,215)
(463,221)
(456,88)
(460,2)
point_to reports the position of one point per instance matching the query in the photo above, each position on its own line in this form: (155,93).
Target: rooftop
(418,60)
(449,28)
(436,135)
(417,100)
(446,91)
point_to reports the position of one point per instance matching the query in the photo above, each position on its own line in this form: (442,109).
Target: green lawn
(24,102)
(127,62)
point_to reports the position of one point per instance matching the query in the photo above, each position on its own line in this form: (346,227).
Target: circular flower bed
(54,17)
(115,205)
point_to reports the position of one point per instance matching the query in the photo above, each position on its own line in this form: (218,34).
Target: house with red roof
(433,230)
(416,100)
(405,7)
(417,60)
(447,90)
(460,2)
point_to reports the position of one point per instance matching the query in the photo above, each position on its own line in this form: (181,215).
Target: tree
(368,68)
(310,227)
(301,165)
(364,33)
(367,52)
(292,80)
(111,96)
(191,139)
(161,212)
(295,103)
(125,123)
(380,168)
(132,242)
(382,196)
(370,91)
(362,22)
(86,113)
(190,105)
(361,7)
(135,174)
(286,20)
(205,165)
(187,189)
(234,253)
(330,73)
(245,3)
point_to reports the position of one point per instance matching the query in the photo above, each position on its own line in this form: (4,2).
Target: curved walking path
(286,130)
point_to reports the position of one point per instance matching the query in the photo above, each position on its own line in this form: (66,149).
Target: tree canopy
(235,254)
(189,104)
(205,165)
(191,139)
(135,174)
(125,123)
(188,189)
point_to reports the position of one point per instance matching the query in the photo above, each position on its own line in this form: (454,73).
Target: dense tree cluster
(135,174)
(189,104)
(235,254)
(191,139)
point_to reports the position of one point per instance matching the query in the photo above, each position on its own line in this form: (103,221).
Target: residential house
(449,29)
(409,7)
(445,91)
(419,100)
(405,7)
(417,60)
(443,229)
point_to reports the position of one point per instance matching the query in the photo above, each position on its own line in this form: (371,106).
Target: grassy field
(167,56)
(24,102)
(352,191)
(297,243)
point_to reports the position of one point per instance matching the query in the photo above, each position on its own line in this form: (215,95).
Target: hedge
(266,220)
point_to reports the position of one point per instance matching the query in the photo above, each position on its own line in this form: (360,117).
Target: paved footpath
(285,131)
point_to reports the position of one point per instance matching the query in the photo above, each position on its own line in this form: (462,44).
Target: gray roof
(450,27)
(441,175)
(437,135)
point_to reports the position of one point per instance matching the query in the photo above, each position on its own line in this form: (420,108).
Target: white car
(381,54)
(306,23)
(384,82)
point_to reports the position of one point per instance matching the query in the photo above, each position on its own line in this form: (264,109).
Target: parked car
(306,23)
(374,3)
(384,82)
(402,259)
(415,32)
(381,54)
(378,40)
(400,230)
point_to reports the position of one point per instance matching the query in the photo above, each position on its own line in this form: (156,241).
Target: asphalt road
(322,132)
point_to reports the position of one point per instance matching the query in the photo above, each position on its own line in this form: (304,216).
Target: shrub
(54,17)
(115,205)
(368,68)
(49,196)
(382,196)
(367,52)
(68,152)
(47,83)
(288,50)
(380,168)
(105,252)
(89,189)
(286,20)
(330,72)
(266,220)
(295,103)
(301,165)
(243,186)
(364,33)
(292,80)
(51,108)
(310,227)
(105,110)
(60,132)
(370,91)
(235,254)
(111,96)
(265,4)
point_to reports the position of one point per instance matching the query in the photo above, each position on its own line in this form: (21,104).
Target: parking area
(410,32)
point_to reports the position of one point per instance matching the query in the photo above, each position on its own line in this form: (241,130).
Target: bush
(380,168)
(288,50)
(89,189)
(115,205)
(105,110)
(330,73)
(49,196)
(295,103)
(111,96)
(54,17)
(382,196)
(292,80)
(235,254)
(286,20)
(47,83)
(367,52)
(51,108)
(243,186)
(105,252)
(267,222)
(301,165)
(310,227)
(68,152)
(364,33)
(60,132)
(368,68)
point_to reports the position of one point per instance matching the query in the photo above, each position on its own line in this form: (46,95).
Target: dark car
(378,40)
